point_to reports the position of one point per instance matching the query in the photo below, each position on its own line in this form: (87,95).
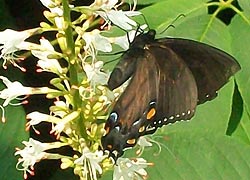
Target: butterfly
(169,77)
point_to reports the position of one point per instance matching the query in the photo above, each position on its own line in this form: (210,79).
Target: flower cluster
(82,101)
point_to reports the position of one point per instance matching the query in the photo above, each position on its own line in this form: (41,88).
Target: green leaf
(12,134)
(243,129)
(245,5)
(199,149)
(202,28)
(240,31)
(165,12)
(143,2)
(199,155)
(237,111)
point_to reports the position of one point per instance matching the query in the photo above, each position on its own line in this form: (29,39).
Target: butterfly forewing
(143,79)
(123,131)
(124,69)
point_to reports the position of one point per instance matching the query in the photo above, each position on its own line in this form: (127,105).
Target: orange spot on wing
(151,113)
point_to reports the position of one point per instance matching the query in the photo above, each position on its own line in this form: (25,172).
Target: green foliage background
(215,144)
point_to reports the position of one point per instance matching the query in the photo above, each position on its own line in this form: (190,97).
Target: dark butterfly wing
(162,90)
(124,69)
(121,126)
(210,66)
(129,60)
(142,89)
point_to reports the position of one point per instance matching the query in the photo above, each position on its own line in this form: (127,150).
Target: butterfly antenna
(171,24)
(138,31)
(145,20)
(128,37)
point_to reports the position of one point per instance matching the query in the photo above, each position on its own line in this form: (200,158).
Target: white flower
(120,18)
(109,4)
(37,117)
(130,169)
(54,8)
(90,162)
(142,143)
(94,74)
(13,90)
(61,123)
(50,65)
(13,41)
(60,109)
(16,89)
(96,40)
(108,11)
(33,153)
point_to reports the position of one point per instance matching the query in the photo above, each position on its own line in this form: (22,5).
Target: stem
(211,20)
(68,30)
(73,64)
(70,52)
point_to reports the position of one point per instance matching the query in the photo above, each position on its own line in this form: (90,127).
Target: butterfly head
(142,39)
(113,143)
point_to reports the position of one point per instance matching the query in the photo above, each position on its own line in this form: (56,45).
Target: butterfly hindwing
(177,91)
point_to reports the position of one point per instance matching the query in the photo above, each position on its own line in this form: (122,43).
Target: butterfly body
(169,78)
